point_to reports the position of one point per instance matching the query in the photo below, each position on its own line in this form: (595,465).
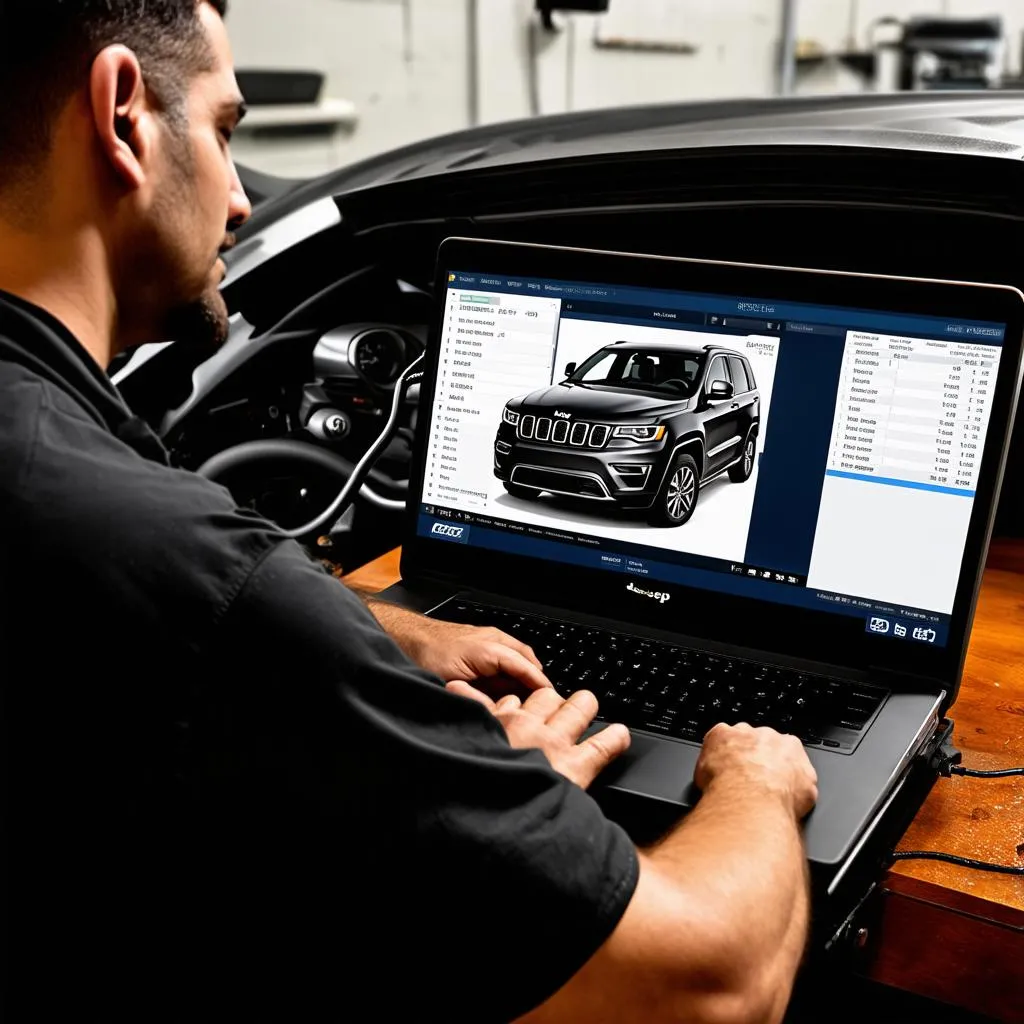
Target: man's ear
(125,121)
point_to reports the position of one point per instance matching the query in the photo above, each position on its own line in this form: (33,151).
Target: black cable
(947,760)
(975,773)
(964,862)
(355,482)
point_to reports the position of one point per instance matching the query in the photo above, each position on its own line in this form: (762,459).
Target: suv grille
(576,435)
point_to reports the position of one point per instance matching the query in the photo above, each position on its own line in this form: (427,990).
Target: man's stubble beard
(200,324)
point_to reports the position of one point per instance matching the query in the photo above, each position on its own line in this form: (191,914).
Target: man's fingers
(573,717)
(543,704)
(510,702)
(517,645)
(462,689)
(596,752)
(500,660)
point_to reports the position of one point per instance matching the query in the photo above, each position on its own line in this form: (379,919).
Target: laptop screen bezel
(694,612)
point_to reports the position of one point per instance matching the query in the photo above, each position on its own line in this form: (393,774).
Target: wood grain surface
(947,932)
(377,575)
(981,818)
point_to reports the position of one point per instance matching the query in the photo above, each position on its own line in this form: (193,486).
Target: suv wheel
(678,495)
(520,492)
(742,470)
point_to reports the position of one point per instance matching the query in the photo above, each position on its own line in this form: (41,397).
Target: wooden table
(935,929)
(948,932)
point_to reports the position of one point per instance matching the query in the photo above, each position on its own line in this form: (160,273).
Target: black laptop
(718,492)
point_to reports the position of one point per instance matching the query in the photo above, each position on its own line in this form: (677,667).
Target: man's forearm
(386,614)
(744,846)
(403,626)
(791,954)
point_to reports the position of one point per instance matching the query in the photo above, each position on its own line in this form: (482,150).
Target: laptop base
(839,892)
(650,788)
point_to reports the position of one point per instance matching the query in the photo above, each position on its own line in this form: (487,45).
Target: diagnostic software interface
(818,456)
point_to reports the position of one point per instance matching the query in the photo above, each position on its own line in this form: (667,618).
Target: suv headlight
(641,433)
(510,417)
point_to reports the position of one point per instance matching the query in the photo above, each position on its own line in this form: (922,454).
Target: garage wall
(405,63)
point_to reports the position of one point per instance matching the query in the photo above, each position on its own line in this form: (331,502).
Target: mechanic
(229,793)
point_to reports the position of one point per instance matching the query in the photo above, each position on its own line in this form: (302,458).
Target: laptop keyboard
(662,688)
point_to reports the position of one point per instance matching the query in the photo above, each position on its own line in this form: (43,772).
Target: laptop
(718,492)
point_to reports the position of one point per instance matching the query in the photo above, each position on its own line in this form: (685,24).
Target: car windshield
(661,371)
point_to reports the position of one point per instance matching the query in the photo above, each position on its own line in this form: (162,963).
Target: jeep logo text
(656,595)
(559,415)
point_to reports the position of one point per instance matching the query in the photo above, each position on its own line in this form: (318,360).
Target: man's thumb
(596,752)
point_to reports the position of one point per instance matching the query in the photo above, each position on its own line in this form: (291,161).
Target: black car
(637,426)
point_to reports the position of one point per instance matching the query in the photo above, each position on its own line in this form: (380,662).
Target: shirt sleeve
(426,865)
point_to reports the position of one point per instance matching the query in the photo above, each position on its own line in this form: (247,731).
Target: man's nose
(239,209)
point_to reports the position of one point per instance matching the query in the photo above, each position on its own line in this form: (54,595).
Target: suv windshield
(657,370)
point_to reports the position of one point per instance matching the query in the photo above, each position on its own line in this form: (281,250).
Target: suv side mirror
(570,369)
(719,390)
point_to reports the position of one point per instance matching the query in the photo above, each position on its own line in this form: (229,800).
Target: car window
(750,375)
(739,374)
(718,371)
(597,367)
(643,367)
(664,372)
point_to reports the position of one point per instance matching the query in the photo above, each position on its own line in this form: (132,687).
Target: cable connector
(946,756)
(945,760)
(977,773)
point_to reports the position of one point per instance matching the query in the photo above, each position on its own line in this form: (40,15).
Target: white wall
(402,64)
(405,63)
(735,43)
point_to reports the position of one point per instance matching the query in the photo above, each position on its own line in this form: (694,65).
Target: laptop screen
(809,455)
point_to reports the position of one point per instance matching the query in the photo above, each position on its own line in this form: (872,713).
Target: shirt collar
(37,340)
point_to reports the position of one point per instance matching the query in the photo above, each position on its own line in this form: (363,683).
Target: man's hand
(759,759)
(547,722)
(497,662)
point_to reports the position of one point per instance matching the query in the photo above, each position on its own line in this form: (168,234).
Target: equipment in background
(929,53)
(262,88)
(547,7)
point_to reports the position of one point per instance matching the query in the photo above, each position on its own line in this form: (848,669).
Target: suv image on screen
(635,426)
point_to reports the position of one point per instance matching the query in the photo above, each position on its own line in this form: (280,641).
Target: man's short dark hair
(48,46)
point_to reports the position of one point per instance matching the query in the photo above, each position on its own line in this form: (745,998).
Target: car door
(720,417)
(744,394)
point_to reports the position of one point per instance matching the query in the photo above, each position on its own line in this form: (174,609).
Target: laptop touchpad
(654,767)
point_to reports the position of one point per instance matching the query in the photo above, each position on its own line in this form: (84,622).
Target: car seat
(643,369)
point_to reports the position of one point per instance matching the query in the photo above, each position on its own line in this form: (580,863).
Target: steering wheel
(272,455)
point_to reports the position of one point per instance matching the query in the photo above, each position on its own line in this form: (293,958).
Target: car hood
(593,402)
(984,123)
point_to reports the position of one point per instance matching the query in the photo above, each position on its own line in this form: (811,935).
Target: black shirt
(227,791)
